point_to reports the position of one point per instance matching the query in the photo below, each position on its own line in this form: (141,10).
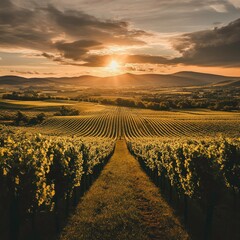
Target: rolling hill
(229,83)
(180,79)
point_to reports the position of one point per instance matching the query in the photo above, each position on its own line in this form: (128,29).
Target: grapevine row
(202,170)
(37,171)
(131,123)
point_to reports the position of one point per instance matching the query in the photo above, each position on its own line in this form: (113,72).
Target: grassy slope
(123,204)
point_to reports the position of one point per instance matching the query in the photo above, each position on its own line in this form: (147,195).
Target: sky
(109,37)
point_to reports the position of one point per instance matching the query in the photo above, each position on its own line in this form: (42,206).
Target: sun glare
(114,66)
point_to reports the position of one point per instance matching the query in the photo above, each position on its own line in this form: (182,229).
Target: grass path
(123,204)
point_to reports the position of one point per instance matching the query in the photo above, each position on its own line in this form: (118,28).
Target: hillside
(229,83)
(180,79)
(204,77)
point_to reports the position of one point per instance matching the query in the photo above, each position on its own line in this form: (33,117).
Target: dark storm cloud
(218,47)
(76,50)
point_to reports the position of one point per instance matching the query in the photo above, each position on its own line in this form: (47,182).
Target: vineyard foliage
(37,169)
(196,168)
(192,150)
(196,152)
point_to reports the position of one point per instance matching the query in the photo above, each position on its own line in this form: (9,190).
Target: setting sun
(114,66)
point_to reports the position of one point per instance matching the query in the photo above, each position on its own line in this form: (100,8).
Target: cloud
(79,24)
(71,37)
(221,8)
(76,50)
(162,16)
(235,3)
(23,28)
(70,34)
(104,60)
(30,72)
(218,47)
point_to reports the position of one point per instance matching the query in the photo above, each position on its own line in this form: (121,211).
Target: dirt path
(123,204)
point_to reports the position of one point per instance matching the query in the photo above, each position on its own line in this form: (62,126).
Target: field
(118,122)
(170,146)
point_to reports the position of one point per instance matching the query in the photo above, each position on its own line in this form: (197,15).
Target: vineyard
(37,172)
(178,149)
(117,122)
(193,154)
(204,171)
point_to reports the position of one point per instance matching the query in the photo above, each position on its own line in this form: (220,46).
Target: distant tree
(153,105)
(67,111)
(164,106)
(37,120)
(21,119)
(33,121)
(140,105)
(41,117)
(125,102)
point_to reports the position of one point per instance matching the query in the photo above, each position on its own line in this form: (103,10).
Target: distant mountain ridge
(127,80)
